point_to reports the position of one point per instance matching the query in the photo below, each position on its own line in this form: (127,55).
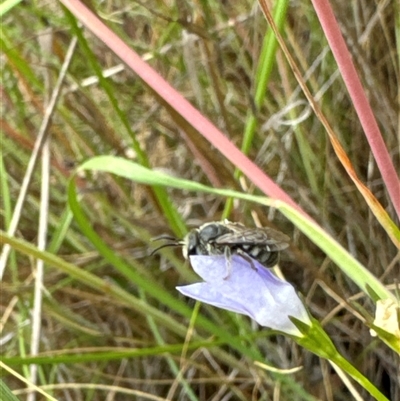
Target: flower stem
(358,377)
(316,340)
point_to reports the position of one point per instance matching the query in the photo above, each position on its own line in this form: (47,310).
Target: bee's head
(190,244)
(200,240)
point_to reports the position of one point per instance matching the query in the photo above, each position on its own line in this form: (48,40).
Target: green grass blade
(175,221)
(347,263)
(5,393)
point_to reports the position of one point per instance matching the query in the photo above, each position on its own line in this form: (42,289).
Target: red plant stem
(179,103)
(359,98)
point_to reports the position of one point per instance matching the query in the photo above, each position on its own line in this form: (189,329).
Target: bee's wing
(275,240)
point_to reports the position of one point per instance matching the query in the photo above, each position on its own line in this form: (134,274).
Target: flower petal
(246,287)
(210,295)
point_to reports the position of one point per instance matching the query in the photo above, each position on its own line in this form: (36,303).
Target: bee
(227,238)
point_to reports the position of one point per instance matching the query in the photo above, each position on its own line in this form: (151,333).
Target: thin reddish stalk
(178,102)
(359,98)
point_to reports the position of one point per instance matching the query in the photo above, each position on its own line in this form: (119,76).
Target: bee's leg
(228,259)
(245,256)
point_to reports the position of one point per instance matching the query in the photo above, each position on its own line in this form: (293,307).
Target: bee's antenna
(163,246)
(175,242)
(164,236)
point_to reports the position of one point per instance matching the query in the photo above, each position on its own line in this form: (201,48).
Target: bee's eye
(192,242)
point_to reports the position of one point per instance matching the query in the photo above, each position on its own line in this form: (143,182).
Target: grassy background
(140,335)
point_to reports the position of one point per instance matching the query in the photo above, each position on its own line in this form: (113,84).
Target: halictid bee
(227,238)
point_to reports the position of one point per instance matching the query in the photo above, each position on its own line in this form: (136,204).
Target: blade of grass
(171,362)
(360,101)
(41,138)
(19,63)
(7,5)
(376,208)
(105,286)
(263,73)
(162,199)
(7,393)
(264,69)
(223,336)
(168,95)
(90,356)
(347,263)
(7,210)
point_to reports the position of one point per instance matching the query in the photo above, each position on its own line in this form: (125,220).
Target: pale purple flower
(248,288)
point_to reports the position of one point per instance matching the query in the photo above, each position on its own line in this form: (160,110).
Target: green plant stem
(316,340)
(263,73)
(347,367)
